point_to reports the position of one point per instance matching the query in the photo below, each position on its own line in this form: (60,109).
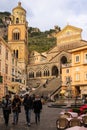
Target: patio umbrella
(82,108)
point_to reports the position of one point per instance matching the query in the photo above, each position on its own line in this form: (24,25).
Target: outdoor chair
(75,122)
(68,115)
(84,120)
(62,123)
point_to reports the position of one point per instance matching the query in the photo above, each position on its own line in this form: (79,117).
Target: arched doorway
(55,71)
(63,60)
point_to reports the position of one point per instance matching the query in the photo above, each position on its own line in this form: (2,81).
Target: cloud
(45,14)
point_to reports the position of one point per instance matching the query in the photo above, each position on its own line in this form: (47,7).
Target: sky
(45,14)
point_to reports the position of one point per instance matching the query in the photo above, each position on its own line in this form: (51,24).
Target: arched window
(17,20)
(16,34)
(38,74)
(63,60)
(54,71)
(16,53)
(46,73)
(31,75)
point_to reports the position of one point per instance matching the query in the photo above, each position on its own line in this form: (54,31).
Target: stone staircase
(49,89)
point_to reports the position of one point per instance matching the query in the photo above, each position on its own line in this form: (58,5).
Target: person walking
(37,106)
(28,103)
(16,107)
(6,106)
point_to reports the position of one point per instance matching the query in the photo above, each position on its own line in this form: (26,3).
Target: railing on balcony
(66,65)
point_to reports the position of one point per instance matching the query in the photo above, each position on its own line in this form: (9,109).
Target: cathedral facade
(55,62)
(49,72)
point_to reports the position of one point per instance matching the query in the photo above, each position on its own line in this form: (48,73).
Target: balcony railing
(66,65)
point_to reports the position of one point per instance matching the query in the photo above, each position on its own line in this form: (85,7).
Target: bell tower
(18,35)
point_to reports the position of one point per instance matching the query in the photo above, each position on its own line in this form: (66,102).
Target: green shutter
(1,79)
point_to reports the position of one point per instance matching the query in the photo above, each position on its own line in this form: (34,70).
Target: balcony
(66,65)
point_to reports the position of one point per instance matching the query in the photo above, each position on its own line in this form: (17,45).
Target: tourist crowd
(14,106)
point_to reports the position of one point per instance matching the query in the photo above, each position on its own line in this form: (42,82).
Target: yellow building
(79,70)
(76,72)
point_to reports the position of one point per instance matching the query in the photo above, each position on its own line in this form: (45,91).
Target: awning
(12,90)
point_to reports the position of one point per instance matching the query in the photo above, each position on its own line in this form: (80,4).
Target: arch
(46,73)
(16,34)
(38,74)
(63,60)
(15,53)
(31,74)
(17,20)
(55,71)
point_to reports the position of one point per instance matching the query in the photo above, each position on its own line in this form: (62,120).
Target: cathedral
(60,70)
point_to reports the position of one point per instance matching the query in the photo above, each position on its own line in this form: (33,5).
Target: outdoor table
(77,128)
(74,114)
(80,117)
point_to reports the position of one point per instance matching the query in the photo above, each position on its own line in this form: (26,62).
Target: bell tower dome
(18,14)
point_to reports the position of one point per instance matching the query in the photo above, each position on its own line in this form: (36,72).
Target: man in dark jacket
(16,107)
(37,106)
(28,103)
(6,105)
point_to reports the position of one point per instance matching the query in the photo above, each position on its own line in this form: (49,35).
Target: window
(0,48)
(15,52)
(16,34)
(6,69)
(17,20)
(31,75)
(85,76)
(38,74)
(1,79)
(46,73)
(77,58)
(67,70)
(6,54)
(77,77)
(0,65)
(12,71)
(85,58)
